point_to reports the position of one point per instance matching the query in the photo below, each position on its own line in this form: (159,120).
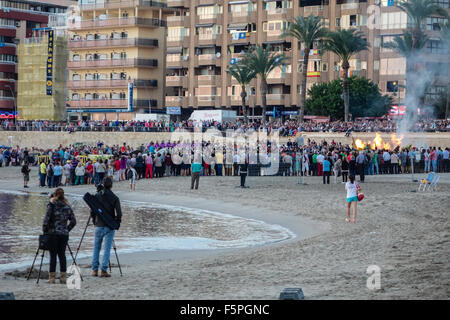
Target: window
(76,77)
(76,57)
(434,23)
(394,20)
(387,39)
(392,86)
(442,3)
(376,65)
(392,66)
(436,46)
(338,22)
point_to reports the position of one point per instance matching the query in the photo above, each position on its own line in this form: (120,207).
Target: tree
(345,44)
(263,61)
(445,36)
(244,76)
(365,99)
(307,31)
(418,11)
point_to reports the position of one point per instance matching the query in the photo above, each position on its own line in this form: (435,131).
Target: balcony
(242,37)
(109,103)
(115,22)
(6,103)
(177,61)
(176,81)
(178,3)
(110,83)
(177,21)
(278,99)
(176,101)
(110,63)
(116,4)
(182,41)
(207,101)
(206,80)
(105,43)
(207,59)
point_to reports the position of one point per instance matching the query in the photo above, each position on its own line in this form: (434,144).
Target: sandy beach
(404,232)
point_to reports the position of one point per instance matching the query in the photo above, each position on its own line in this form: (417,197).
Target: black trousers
(58,244)
(243,176)
(360,170)
(327,175)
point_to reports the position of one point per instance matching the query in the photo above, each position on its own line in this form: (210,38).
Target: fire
(378,143)
(359,144)
(397,140)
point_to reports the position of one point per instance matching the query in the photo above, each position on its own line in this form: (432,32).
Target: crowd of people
(85,164)
(285,128)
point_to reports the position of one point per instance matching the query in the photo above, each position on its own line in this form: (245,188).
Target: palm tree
(418,11)
(307,31)
(345,44)
(262,61)
(445,36)
(244,76)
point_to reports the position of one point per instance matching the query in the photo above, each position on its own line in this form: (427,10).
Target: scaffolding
(33,103)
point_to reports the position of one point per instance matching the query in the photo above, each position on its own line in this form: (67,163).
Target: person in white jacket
(79,173)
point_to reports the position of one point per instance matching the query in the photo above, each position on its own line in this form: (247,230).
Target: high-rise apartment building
(117,59)
(206,36)
(18,18)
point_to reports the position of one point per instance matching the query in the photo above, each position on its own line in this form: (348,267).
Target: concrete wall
(46,140)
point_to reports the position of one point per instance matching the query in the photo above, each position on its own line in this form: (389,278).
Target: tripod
(113,244)
(42,260)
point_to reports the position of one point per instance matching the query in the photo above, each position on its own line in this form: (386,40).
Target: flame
(378,141)
(397,140)
(359,144)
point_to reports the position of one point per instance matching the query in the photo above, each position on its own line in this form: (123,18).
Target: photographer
(58,214)
(112,205)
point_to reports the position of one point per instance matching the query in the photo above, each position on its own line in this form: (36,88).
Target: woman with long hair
(352,188)
(59,220)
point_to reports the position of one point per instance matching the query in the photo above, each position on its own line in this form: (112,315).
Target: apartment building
(18,18)
(206,36)
(36,99)
(116,59)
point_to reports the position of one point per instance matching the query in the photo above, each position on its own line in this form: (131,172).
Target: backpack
(24,170)
(130,174)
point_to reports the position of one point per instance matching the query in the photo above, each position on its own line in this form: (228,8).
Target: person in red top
(124,149)
(90,172)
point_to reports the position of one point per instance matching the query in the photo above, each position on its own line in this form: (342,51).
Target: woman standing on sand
(352,188)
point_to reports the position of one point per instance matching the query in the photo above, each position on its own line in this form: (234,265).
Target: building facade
(206,36)
(117,59)
(33,101)
(18,18)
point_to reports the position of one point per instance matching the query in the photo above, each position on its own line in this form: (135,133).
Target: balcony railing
(111,4)
(207,57)
(207,36)
(175,18)
(208,78)
(108,103)
(101,43)
(110,83)
(174,99)
(206,98)
(275,96)
(276,10)
(108,63)
(116,22)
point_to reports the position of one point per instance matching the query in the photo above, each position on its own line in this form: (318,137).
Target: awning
(237,26)
(205,25)
(174,50)
(174,67)
(206,46)
(275,41)
(239,2)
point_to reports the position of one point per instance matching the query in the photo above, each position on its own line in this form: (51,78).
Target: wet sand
(405,233)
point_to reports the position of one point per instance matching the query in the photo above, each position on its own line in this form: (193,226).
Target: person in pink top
(149,167)
(433,158)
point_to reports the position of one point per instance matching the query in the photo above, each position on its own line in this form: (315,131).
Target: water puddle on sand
(145,227)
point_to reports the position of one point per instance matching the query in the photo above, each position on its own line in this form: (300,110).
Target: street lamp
(15,105)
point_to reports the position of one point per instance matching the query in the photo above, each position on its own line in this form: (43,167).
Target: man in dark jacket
(111,204)
(243,169)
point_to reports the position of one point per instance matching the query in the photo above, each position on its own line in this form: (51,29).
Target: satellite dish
(218,54)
